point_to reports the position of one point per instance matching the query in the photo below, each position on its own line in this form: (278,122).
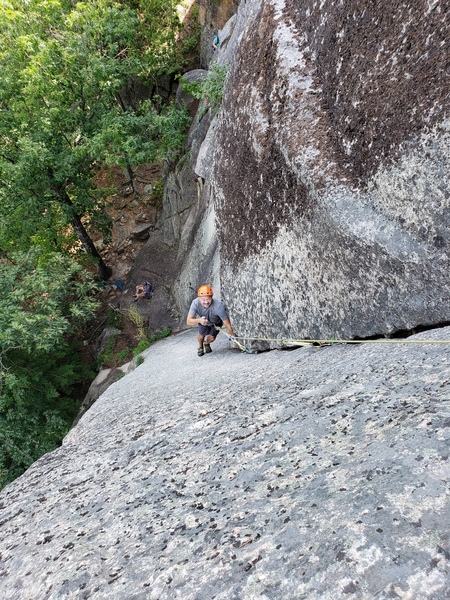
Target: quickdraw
(241,347)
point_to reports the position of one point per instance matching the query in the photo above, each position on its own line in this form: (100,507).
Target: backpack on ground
(148,289)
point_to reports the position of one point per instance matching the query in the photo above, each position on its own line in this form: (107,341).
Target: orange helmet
(205,290)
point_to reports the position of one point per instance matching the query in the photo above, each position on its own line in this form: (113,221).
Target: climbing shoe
(207,348)
(200,352)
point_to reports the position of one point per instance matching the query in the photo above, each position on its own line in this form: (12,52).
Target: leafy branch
(210,88)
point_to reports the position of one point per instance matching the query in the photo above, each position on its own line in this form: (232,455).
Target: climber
(215,42)
(206,312)
(143,290)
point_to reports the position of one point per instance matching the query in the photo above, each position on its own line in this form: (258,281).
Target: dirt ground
(129,209)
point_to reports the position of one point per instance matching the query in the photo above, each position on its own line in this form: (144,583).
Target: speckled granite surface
(311,473)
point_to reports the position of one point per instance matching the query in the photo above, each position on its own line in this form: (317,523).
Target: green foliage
(144,135)
(210,88)
(65,69)
(64,113)
(157,193)
(44,303)
(123,356)
(191,43)
(114,317)
(110,357)
(106,358)
(37,406)
(143,345)
(161,334)
(146,343)
(44,298)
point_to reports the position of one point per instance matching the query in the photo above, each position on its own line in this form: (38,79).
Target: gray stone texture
(182,251)
(142,232)
(194,76)
(330,170)
(317,201)
(213,17)
(188,220)
(155,262)
(316,473)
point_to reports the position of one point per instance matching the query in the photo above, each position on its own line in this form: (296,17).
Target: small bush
(123,356)
(161,334)
(146,343)
(143,345)
(156,195)
(210,88)
(114,318)
(106,356)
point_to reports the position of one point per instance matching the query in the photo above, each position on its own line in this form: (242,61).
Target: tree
(63,112)
(45,300)
(210,88)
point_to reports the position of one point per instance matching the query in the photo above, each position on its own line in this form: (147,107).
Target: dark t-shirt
(214,313)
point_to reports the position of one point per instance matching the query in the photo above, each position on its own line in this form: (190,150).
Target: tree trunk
(128,166)
(131,176)
(89,246)
(103,269)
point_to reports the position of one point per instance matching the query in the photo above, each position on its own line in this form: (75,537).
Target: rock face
(189,218)
(156,262)
(213,16)
(318,473)
(317,201)
(329,167)
(182,252)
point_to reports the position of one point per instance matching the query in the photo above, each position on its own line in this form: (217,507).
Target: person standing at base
(206,312)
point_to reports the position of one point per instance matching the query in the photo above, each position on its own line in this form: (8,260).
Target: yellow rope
(294,342)
(337,341)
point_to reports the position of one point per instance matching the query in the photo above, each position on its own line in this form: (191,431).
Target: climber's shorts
(208,330)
